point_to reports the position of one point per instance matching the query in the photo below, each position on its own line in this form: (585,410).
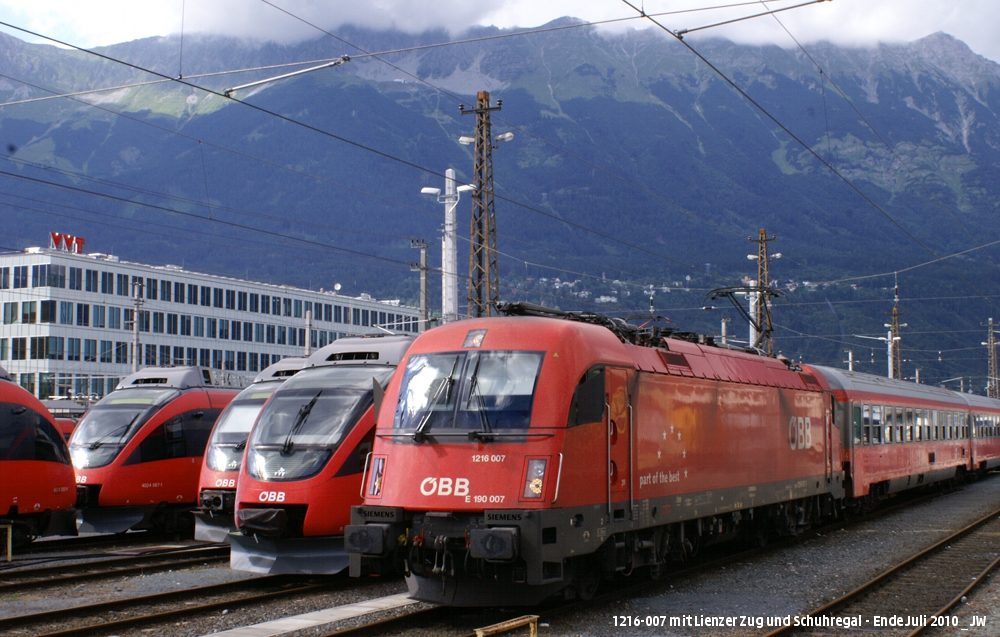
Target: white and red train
(302,466)
(37,490)
(138,452)
(220,469)
(527,456)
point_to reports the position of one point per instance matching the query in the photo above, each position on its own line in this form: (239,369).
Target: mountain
(631,136)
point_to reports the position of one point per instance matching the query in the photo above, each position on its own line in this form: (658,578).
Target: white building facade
(67,319)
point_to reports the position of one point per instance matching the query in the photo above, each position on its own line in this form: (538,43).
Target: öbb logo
(445,486)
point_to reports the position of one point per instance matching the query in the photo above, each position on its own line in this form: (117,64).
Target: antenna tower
(484,277)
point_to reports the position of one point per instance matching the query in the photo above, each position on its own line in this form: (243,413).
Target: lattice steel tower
(762,301)
(895,351)
(991,378)
(484,277)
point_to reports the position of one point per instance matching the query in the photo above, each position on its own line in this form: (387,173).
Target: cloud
(844,22)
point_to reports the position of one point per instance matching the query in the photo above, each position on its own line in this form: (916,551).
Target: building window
(39,348)
(4,351)
(282,335)
(158,322)
(230,299)
(83,314)
(99,316)
(298,309)
(192,356)
(106,351)
(114,318)
(241,361)
(254,360)
(165,290)
(76,278)
(171,324)
(121,284)
(199,326)
(216,297)
(121,352)
(291,336)
(217,358)
(236,327)
(206,296)
(29,314)
(241,301)
(164,355)
(19,349)
(302,335)
(265,304)
(107,283)
(276,306)
(4,278)
(212,328)
(287,306)
(73,349)
(270,334)
(328,312)
(144,321)
(178,292)
(323,338)
(150,355)
(90,350)
(185,325)
(204,358)
(255,303)
(356,316)
(230,360)
(90,278)
(258,333)
(9,313)
(20,276)
(178,355)
(28,382)
(192,295)
(223,329)
(248,331)
(48,275)
(151,286)
(47,311)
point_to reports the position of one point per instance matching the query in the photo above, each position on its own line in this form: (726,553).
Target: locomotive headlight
(534,479)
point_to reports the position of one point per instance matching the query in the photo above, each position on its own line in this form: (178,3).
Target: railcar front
(214,520)
(37,490)
(302,467)
(527,456)
(138,452)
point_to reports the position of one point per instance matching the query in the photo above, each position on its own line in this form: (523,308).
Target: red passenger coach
(36,478)
(302,467)
(532,455)
(138,452)
(213,520)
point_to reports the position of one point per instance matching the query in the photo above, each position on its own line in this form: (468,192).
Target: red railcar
(984,416)
(303,462)
(138,452)
(37,491)
(224,453)
(521,457)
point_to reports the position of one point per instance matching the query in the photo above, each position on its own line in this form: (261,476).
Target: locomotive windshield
(111,423)
(480,390)
(231,431)
(308,417)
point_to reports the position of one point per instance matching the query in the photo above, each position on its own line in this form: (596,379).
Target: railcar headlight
(218,459)
(534,479)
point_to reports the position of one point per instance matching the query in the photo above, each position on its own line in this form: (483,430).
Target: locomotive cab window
(588,399)
(112,422)
(27,435)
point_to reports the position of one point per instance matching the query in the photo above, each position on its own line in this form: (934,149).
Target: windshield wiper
(124,431)
(300,420)
(484,419)
(418,433)
(241,445)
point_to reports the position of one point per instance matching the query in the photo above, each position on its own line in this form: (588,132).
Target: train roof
(177,377)
(982,402)
(5,375)
(387,349)
(281,370)
(869,383)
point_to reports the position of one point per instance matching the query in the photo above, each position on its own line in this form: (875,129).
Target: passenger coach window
(588,399)
(899,425)
(866,419)
(888,422)
(909,425)
(856,412)
(876,425)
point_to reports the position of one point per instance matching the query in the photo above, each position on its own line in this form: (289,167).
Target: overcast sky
(850,22)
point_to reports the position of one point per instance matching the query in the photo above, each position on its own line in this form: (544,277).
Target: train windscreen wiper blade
(484,418)
(123,429)
(418,433)
(300,420)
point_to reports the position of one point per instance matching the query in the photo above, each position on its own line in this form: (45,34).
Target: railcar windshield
(111,423)
(480,390)
(26,435)
(308,417)
(229,437)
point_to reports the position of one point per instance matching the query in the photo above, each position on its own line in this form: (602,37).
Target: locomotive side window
(866,420)
(180,437)
(876,424)
(588,399)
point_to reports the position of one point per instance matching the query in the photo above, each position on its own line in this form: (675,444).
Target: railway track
(44,546)
(100,566)
(916,594)
(150,610)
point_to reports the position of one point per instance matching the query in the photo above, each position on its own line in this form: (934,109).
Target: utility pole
(895,355)
(991,353)
(850,360)
(137,301)
(725,322)
(422,267)
(761,299)
(309,329)
(449,251)
(484,278)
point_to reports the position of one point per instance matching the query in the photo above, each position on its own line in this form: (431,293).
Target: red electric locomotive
(521,457)
(213,520)
(138,452)
(305,456)
(36,478)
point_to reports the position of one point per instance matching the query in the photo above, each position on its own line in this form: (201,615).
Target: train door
(619,440)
